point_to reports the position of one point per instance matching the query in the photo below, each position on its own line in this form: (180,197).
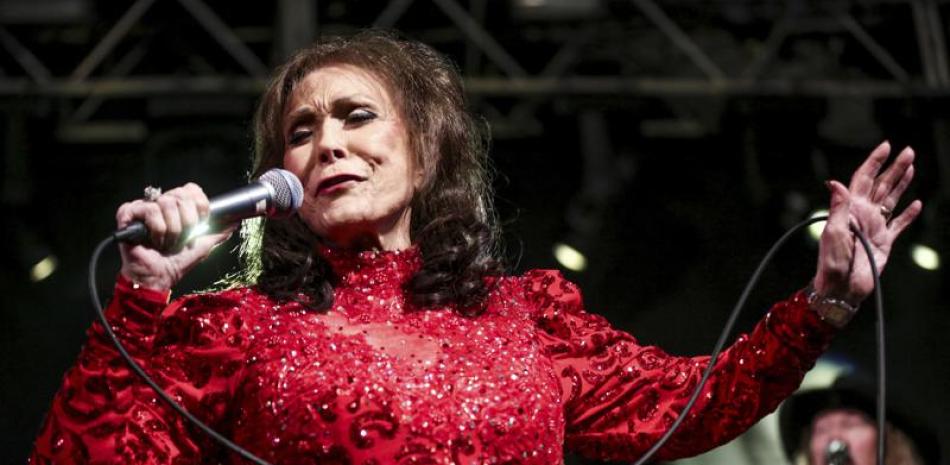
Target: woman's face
(347,142)
(852,427)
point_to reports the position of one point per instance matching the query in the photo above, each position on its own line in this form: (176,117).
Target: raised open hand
(867,203)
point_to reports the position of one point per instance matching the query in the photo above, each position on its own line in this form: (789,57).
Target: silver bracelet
(837,312)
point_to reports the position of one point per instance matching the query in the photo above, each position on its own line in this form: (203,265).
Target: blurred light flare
(197,230)
(824,373)
(815,229)
(569,257)
(43,268)
(925,257)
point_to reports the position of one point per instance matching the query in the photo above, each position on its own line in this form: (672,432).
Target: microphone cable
(141,373)
(735,315)
(723,337)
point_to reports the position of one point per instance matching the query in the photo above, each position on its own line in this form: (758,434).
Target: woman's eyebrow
(300,116)
(354,99)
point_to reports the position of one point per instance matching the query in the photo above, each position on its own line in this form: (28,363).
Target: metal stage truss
(615,49)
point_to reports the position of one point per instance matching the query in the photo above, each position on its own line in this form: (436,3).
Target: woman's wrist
(147,277)
(836,311)
(839,288)
(147,282)
(145,293)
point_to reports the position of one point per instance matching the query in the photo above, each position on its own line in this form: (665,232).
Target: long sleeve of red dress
(374,380)
(621,397)
(104,414)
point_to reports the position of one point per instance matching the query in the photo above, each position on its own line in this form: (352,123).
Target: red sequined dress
(374,381)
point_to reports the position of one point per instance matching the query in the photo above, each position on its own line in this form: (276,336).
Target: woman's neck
(389,235)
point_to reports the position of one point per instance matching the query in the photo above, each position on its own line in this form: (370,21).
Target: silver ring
(886,212)
(151,193)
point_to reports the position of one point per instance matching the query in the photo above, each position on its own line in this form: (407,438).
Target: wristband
(836,312)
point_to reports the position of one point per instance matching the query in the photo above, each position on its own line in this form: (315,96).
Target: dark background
(672,141)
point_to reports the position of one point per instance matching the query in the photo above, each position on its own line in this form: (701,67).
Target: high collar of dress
(368,268)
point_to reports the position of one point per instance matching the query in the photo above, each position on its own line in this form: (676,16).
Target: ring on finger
(151,193)
(886,213)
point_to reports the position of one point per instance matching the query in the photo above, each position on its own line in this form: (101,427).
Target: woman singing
(376,326)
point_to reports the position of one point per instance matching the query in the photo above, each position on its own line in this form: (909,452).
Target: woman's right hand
(165,256)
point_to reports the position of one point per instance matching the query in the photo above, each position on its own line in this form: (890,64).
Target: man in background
(837,426)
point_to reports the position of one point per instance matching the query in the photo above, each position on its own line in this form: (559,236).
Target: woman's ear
(420,175)
(418,180)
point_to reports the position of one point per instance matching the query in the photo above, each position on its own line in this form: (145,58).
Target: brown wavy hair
(453,222)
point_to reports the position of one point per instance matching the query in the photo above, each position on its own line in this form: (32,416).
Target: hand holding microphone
(154,252)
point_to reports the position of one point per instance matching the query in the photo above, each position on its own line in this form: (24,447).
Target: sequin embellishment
(374,380)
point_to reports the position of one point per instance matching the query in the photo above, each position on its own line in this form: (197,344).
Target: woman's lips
(337,183)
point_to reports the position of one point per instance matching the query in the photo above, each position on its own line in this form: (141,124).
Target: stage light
(32,257)
(569,257)
(43,268)
(925,257)
(815,229)
(826,370)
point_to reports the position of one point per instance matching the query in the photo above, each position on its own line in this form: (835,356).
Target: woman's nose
(330,144)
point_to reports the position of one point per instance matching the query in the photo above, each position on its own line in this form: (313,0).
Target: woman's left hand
(867,203)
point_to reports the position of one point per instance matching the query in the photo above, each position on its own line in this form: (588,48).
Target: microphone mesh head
(288,192)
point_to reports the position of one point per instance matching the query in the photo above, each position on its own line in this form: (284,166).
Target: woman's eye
(359,115)
(298,136)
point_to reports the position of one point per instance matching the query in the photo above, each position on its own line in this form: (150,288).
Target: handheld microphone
(277,193)
(837,453)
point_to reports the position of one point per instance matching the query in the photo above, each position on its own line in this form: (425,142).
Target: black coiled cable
(727,329)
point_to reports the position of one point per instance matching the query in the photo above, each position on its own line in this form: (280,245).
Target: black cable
(138,369)
(881,365)
(727,329)
(735,315)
